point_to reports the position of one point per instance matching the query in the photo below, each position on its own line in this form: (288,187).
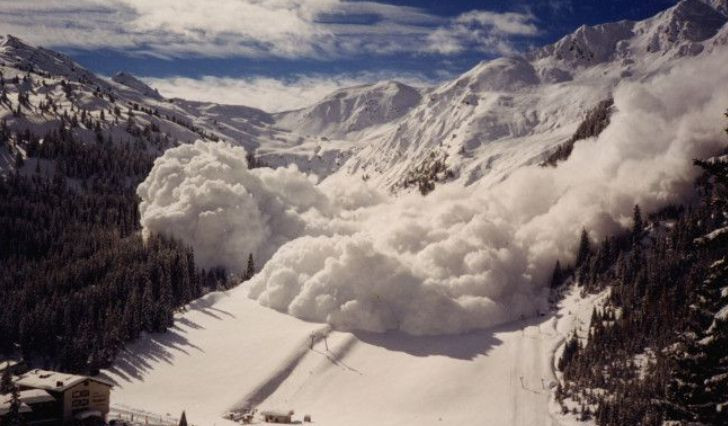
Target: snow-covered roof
(5,401)
(277,412)
(35,396)
(54,381)
(88,414)
(8,364)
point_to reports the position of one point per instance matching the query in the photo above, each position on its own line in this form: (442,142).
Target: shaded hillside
(657,350)
(76,279)
(597,119)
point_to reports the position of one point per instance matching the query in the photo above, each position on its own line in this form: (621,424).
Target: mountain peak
(701,13)
(682,26)
(588,45)
(721,6)
(126,79)
(11,41)
(353,109)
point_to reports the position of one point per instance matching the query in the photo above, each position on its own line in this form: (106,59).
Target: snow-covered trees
(698,389)
(658,349)
(596,120)
(76,279)
(14,417)
(6,381)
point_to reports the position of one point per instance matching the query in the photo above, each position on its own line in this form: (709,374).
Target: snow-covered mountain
(352,110)
(57,88)
(134,83)
(508,112)
(496,117)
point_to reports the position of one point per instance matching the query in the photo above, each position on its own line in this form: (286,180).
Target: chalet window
(79,393)
(79,403)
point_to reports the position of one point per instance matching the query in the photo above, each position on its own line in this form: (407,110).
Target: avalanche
(441,283)
(458,259)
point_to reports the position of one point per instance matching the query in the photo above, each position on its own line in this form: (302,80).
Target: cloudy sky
(276,54)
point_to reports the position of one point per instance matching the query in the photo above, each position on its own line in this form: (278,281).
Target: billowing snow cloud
(458,259)
(205,195)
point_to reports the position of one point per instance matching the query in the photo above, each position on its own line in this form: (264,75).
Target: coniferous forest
(657,350)
(76,278)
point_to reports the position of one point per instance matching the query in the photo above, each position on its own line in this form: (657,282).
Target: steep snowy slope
(134,83)
(352,110)
(126,109)
(506,113)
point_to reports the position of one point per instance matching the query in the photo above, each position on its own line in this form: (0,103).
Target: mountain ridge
(483,124)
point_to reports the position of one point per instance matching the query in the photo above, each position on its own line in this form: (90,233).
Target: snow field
(227,352)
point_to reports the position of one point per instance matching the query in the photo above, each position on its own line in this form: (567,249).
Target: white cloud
(482,31)
(251,28)
(267,93)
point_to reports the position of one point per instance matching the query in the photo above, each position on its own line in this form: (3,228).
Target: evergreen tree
(148,307)
(6,382)
(686,394)
(557,276)
(250,270)
(638,226)
(14,417)
(19,161)
(717,384)
(183,419)
(166,304)
(584,250)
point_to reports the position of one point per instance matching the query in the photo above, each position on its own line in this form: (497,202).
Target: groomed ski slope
(227,351)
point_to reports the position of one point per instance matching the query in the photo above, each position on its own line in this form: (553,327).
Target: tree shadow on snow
(137,359)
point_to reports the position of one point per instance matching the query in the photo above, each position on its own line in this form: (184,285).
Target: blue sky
(285,53)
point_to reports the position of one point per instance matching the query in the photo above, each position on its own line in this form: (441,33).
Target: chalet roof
(35,396)
(54,381)
(7,364)
(5,405)
(85,414)
(277,413)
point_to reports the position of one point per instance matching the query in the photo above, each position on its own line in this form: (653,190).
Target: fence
(136,417)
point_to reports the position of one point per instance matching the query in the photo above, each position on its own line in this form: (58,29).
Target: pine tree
(584,250)
(688,398)
(183,419)
(166,304)
(6,382)
(717,384)
(557,276)
(14,417)
(716,350)
(250,270)
(638,226)
(148,307)
(19,161)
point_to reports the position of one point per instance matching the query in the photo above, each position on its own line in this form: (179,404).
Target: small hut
(277,416)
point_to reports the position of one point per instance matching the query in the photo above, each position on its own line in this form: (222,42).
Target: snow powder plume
(460,258)
(205,195)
